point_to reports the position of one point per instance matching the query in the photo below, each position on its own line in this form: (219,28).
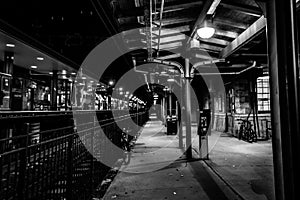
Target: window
(263,93)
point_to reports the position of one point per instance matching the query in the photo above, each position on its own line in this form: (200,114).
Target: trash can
(172,125)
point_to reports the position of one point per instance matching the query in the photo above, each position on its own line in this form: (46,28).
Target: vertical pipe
(188,110)
(284,82)
(151,23)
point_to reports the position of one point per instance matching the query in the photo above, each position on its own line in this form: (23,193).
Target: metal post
(284,82)
(54,84)
(69,189)
(66,94)
(170,104)
(163,109)
(181,119)
(8,69)
(188,110)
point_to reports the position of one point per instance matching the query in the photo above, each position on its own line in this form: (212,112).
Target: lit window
(263,93)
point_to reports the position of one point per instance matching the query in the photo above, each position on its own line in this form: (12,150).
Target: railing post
(70,168)
(92,153)
(23,162)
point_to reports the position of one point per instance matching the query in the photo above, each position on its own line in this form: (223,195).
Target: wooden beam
(246,9)
(215,41)
(171,31)
(255,29)
(172,21)
(179,7)
(210,47)
(229,34)
(171,45)
(139,11)
(177,55)
(230,22)
(170,38)
(204,56)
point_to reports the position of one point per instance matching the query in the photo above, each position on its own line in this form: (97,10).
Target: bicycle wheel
(241,132)
(253,135)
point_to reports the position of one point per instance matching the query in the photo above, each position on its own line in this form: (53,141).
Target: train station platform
(157,169)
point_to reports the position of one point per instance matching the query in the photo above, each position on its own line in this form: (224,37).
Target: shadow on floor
(213,191)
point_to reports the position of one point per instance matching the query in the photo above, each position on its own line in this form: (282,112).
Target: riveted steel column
(284,81)
(188,110)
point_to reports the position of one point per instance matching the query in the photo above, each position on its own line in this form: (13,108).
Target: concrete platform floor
(158,170)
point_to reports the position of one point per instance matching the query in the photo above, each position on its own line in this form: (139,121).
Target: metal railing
(54,155)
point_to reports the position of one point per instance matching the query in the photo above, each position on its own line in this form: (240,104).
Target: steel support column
(54,88)
(170,104)
(284,82)
(188,110)
(180,118)
(163,109)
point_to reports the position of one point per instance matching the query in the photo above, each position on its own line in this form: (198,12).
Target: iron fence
(54,155)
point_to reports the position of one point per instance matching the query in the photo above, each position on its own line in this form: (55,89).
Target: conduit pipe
(170,63)
(227,73)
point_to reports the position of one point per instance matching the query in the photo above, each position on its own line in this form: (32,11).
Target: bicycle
(246,132)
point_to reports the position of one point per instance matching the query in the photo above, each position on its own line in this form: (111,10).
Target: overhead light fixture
(50,73)
(171,80)
(73,73)
(10,45)
(111,83)
(206,31)
(33,67)
(40,58)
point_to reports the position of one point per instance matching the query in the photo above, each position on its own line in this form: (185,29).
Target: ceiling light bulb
(40,58)
(111,83)
(33,67)
(206,32)
(10,45)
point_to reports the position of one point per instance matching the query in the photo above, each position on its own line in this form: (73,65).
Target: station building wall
(233,106)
